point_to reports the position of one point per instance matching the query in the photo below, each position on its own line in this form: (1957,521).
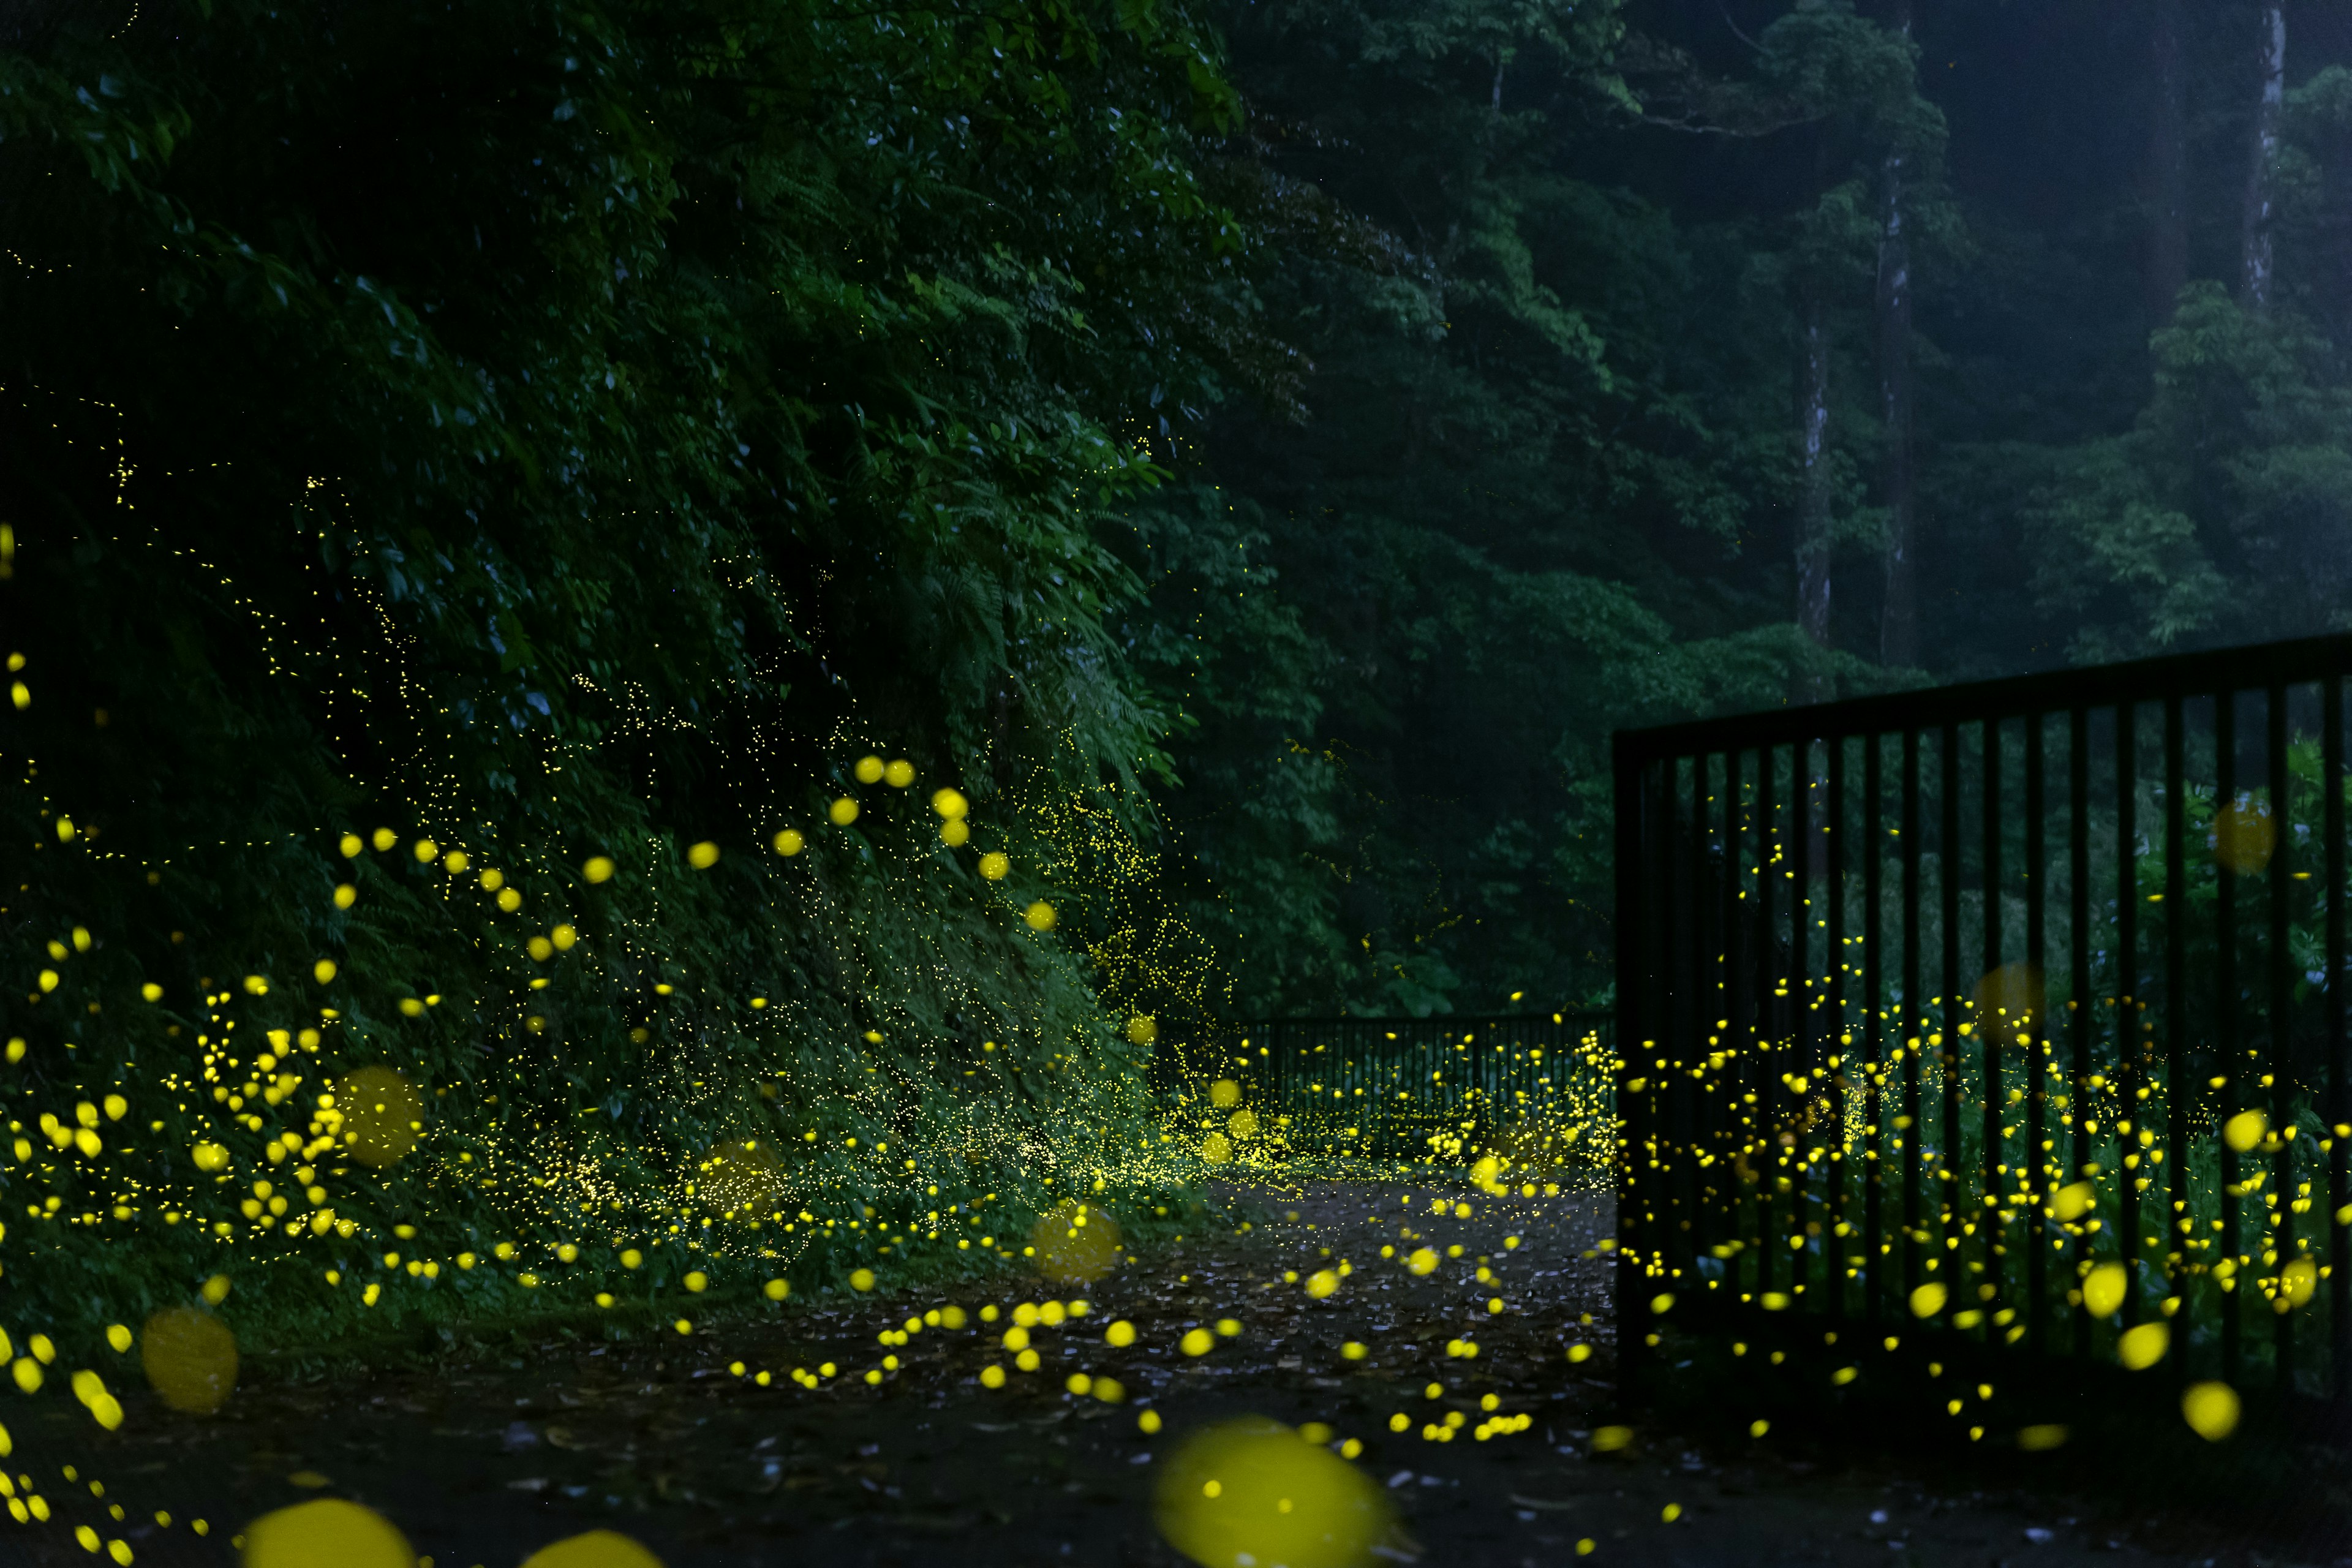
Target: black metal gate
(2008,1011)
(1535,1088)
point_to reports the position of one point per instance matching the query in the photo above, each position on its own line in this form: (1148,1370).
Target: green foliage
(1535,491)
(582,430)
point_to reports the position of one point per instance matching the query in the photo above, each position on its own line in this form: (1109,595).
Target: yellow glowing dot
(323,971)
(703,855)
(949,804)
(216,1289)
(1610,1439)
(383,838)
(119,1336)
(1197,1342)
(630,1258)
(683,1326)
(2210,1409)
(1321,1283)
(995,866)
(597,868)
(2245,1129)
(1119,1335)
(596,1549)
(776,1289)
(350,845)
(1148,1422)
(899,773)
(1928,1300)
(1757,1428)
(1040,916)
(1250,1491)
(869,770)
(1422,1261)
(455,861)
(843,811)
(2142,1345)
(992,1377)
(326,1529)
(346,896)
(190,1358)
(790,843)
(1671,1512)
(861,1279)
(426,851)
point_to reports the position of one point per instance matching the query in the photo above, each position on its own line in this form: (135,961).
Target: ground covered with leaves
(483,1454)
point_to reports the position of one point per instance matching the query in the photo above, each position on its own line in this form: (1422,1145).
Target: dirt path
(482,1460)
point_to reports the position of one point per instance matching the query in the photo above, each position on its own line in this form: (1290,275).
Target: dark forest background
(1286,436)
(1685,356)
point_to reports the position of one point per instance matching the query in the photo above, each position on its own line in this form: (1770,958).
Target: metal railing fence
(1535,1088)
(2008,1011)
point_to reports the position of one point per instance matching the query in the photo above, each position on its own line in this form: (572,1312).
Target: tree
(564,437)
(2262,155)
(2167,164)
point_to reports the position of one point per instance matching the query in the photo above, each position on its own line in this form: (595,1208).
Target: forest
(1451,383)
(705,646)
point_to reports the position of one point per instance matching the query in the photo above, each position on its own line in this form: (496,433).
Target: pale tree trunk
(1898,622)
(2167,166)
(1813,484)
(2261,158)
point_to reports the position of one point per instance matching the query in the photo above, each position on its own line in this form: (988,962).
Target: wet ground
(485,1457)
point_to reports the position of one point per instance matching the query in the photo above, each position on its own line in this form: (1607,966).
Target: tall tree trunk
(2167,167)
(1814,483)
(1898,621)
(2262,157)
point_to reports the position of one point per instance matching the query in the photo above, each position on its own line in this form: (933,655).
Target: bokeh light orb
(328,1532)
(597,1549)
(190,1358)
(1075,1243)
(2243,836)
(380,1110)
(1252,1493)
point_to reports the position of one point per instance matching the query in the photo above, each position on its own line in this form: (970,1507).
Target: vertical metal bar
(2331,790)
(1954,1015)
(2082,995)
(2179,1095)
(1871,1173)
(1690,1049)
(1914,1020)
(2225,1031)
(1835,1033)
(1768,881)
(1632,986)
(1804,799)
(2036,1036)
(2131,1081)
(1988,1027)
(2280,1065)
(1737,1011)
